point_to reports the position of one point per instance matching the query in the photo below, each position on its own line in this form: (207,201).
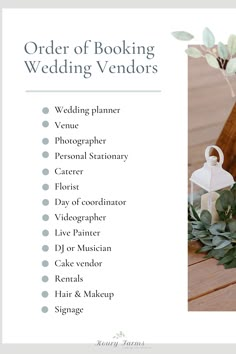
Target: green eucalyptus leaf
(222,215)
(194,213)
(209,237)
(212,61)
(217,228)
(226,259)
(198,225)
(209,254)
(231,264)
(182,35)
(233,188)
(217,240)
(206,242)
(232,226)
(231,66)
(233,235)
(190,227)
(206,217)
(218,253)
(232,44)
(230,252)
(234,194)
(234,211)
(219,206)
(208,38)
(223,244)
(204,249)
(199,233)
(193,52)
(222,51)
(226,234)
(227,199)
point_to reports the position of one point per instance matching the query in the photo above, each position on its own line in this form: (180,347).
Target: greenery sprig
(219,239)
(218,55)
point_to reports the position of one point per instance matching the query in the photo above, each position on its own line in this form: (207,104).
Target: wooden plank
(227,142)
(221,300)
(212,110)
(201,113)
(204,134)
(209,106)
(207,276)
(209,98)
(193,257)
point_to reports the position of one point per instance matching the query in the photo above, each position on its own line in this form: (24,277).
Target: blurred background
(209,105)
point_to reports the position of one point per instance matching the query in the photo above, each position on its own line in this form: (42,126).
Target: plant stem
(229,84)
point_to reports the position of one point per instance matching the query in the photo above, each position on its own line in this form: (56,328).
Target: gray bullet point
(45,187)
(45,263)
(45,110)
(45,154)
(45,279)
(45,217)
(45,202)
(45,171)
(45,124)
(45,248)
(45,141)
(45,233)
(44,309)
(44,294)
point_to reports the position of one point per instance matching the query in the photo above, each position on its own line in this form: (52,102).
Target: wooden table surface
(209,105)
(211,287)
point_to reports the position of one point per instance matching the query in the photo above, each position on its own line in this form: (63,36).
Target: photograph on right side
(211,171)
